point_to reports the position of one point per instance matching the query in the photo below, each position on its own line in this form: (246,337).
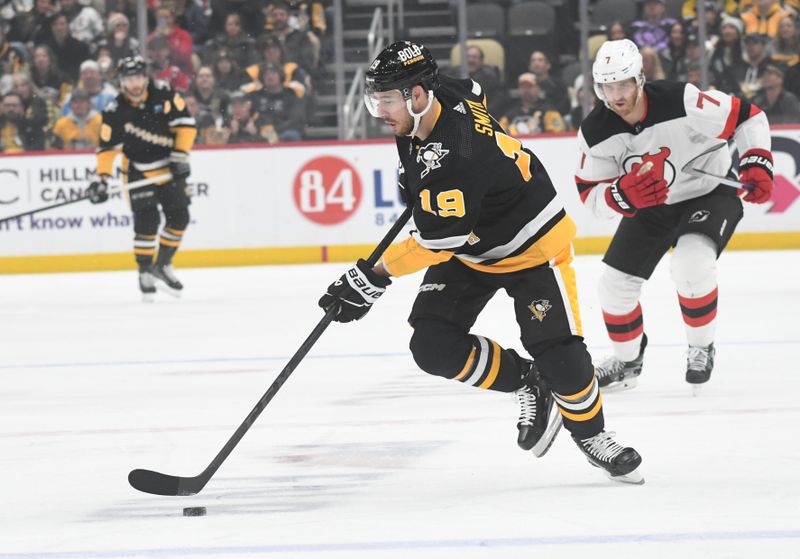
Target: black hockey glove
(355,292)
(98,190)
(179,165)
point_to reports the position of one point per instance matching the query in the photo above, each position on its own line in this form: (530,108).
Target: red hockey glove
(634,191)
(755,168)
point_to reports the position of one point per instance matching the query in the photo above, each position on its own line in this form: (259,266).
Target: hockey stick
(693,171)
(111,190)
(157,483)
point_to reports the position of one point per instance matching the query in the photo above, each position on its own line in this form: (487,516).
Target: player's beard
(629,105)
(135,96)
(401,127)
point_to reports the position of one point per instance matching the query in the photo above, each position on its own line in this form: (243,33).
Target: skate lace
(527,404)
(603,446)
(698,358)
(610,366)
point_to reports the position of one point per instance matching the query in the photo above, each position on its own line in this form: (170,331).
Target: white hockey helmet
(617,61)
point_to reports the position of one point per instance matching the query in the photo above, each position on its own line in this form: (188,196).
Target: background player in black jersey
(150,124)
(488,218)
(632,149)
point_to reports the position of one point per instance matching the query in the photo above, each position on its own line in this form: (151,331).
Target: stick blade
(155,483)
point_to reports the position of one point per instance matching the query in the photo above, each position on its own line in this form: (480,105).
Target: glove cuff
(756,158)
(618,202)
(178,157)
(375,279)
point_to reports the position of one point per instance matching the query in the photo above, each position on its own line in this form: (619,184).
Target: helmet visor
(381,103)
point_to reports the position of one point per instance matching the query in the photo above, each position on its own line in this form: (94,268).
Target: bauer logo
(327,190)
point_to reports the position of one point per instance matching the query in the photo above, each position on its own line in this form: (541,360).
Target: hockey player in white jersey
(632,148)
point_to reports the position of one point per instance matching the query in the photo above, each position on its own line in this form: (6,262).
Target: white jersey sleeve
(718,115)
(594,174)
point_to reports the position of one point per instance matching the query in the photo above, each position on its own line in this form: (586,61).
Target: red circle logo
(327,190)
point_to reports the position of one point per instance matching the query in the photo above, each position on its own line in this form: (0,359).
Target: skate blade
(632,478)
(697,390)
(621,386)
(148,297)
(549,436)
(164,288)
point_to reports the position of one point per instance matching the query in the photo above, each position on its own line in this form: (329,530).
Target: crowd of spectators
(249,69)
(752,49)
(246,67)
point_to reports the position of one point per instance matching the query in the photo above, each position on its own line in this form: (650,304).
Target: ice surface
(361,455)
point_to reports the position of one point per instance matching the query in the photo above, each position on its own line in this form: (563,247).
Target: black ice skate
(699,363)
(147,285)
(614,375)
(166,280)
(539,421)
(620,463)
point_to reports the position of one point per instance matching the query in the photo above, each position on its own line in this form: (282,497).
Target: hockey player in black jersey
(487,218)
(632,149)
(149,123)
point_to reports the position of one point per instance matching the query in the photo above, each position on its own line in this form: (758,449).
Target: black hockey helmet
(402,65)
(131,66)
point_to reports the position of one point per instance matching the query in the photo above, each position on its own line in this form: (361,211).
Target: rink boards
(295,203)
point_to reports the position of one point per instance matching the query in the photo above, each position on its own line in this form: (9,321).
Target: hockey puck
(194,511)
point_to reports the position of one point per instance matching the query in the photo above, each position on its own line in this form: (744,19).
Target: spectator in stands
(786,46)
(100,92)
(713,21)
(162,67)
(297,45)
(118,40)
(16,132)
(617,31)
(33,26)
(791,79)
(227,74)
(651,65)
(12,55)
(764,17)
(39,111)
(234,40)
(191,15)
(694,75)
(727,66)
(271,51)
(673,57)
(85,23)
(246,127)
(179,40)
(212,102)
(757,59)
(251,12)
(653,30)
(489,78)
(45,75)
(70,52)
(204,122)
(730,8)
(576,113)
(532,114)
(279,106)
(780,106)
(551,89)
(80,128)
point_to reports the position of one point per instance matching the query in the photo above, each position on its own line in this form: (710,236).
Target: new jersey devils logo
(662,167)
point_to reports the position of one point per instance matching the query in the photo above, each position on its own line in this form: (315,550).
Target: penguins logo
(431,155)
(539,308)
(662,166)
